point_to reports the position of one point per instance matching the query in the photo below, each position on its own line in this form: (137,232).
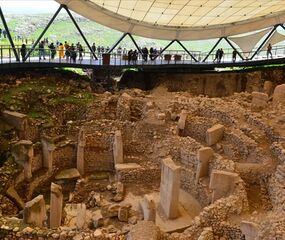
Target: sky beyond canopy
(28,7)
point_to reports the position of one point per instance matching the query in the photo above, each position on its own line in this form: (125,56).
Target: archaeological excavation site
(196,156)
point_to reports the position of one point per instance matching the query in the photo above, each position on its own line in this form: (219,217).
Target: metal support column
(168,45)
(9,35)
(281,25)
(117,43)
(186,50)
(233,47)
(79,30)
(217,43)
(264,41)
(139,50)
(43,33)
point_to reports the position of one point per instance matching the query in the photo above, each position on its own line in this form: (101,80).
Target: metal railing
(122,59)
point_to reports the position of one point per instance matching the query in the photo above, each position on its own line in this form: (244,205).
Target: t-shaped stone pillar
(56,201)
(80,151)
(203,156)
(35,211)
(181,123)
(23,153)
(118,148)
(48,147)
(222,183)
(169,188)
(250,230)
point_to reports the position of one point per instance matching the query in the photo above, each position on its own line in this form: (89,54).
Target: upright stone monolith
(222,183)
(23,153)
(48,148)
(181,123)
(118,148)
(169,188)
(35,211)
(147,205)
(56,201)
(80,151)
(203,156)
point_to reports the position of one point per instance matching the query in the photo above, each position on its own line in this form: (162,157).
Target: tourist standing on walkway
(221,54)
(73,54)
(234,55)
(52,50)
(93,47)
(217,55)
(42,50)
(269,50)
(61,50)
(80,50)
(23,51)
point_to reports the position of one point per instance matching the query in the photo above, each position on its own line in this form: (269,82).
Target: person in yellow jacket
(61,50)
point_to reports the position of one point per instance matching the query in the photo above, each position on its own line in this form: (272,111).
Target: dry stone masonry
(156,164)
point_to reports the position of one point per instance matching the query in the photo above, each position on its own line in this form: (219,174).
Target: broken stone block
(14,196)
(113,210)
(18,121)
(48,147)
(161,116)
(144,230)
(80,151)
(35,211)
(123,213)
(203,157)
(119,192)
(98,220)
(23,153)
(68,174)
(147,205)
(222,183)
(181,123)
(118,148)
(259,100)
(268,87)
(214,134)
(81,215)
(169,188)
(56,204)
(250,230)
(279,94)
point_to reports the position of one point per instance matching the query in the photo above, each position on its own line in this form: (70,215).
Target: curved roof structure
(182,19)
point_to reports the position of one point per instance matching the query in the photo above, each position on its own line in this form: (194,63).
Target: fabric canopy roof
(182,19)
(248,42)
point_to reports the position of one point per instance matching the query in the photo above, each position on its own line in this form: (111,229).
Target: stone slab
(214,134)
(127,166)
(67,174)
(14,196)
(250,230)
(222,183)
(169,188)
(15,119)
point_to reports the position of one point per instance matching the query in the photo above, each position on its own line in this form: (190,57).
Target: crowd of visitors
(72,52)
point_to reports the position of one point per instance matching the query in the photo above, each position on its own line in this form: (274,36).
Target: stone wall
(216,215)
(145,175)
(65,157)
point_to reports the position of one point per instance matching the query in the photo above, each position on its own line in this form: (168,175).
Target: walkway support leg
(117,43)
(43,33)
(139,50)
(9,35)
(168,45)
(213,48)
(265,41)
(233,47)
(186,50)
(79,30)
